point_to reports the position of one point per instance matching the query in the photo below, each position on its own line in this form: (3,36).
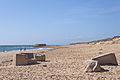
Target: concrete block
(40,58)
(29,55)
(27,58)
(93,66)
(19,59)
(32,61)
(106,59)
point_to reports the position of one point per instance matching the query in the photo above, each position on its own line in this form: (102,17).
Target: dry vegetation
(97,41)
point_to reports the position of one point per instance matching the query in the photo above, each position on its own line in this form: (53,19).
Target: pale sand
(64,63)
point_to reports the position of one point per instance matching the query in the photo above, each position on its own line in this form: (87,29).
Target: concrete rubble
(27,58)
(94,65)
(106,59)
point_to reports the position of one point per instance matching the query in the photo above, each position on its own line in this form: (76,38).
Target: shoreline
(12,49)
(27,50)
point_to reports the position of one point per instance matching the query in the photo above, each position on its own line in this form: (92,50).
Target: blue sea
(6,48)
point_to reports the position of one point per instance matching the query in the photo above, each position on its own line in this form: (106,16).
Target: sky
(58,22)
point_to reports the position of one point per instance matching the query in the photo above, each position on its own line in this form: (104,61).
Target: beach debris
(100,52)
(27,58)
(100,49)
(106,59)
(19,59)
(40,58)
(93,66)
(29,55)
(44,65)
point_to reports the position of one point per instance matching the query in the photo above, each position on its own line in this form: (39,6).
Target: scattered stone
(44,65)
(100,52)
(101,49)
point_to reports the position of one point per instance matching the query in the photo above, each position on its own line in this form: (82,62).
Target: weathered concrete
(106,59)
(19,59)
(29,55)
(40,58)
(93,66)
(32,61)
(27,58)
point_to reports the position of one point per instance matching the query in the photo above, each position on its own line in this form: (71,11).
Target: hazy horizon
(57,22)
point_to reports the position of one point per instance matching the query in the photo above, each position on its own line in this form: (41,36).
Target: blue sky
(58,21)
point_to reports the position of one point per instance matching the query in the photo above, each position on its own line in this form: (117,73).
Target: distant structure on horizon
(39,45)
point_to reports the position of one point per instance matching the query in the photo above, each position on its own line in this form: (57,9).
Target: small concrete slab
(106,59)
(92,66)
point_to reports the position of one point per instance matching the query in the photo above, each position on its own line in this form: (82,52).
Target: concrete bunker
(27,58)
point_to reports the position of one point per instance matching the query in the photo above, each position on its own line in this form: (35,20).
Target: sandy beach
(63,63)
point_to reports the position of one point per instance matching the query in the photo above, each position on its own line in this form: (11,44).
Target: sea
(7,48)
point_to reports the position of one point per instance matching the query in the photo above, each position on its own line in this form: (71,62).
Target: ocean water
(6,48)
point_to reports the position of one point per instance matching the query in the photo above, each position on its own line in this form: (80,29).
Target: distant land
(115,39)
